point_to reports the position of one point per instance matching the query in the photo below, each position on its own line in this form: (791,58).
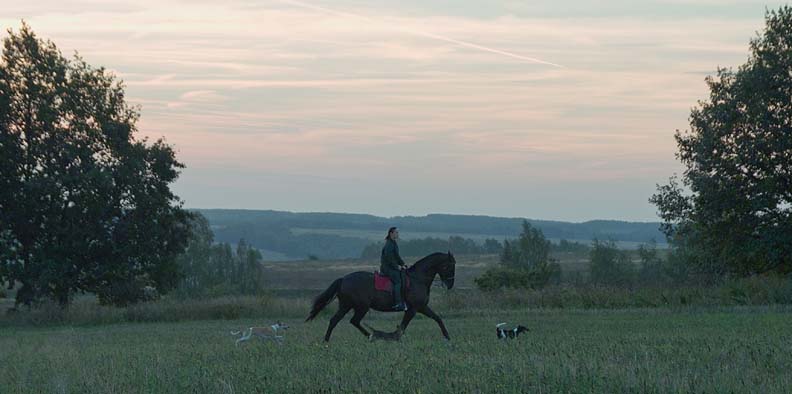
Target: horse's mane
(431,256)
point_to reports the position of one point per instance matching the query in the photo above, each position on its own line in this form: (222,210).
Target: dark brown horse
(356,291)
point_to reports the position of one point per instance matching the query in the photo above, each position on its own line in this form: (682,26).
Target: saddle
(384,283)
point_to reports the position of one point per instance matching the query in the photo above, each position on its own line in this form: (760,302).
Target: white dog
(263,333)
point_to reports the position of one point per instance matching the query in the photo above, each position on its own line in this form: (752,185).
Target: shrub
(652,269)
(525,264)
(518,278)
(609,266)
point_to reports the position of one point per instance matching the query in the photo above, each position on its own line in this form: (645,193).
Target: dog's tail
(236,332)
(321,301)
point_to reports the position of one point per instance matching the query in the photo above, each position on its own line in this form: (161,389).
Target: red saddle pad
(382,282)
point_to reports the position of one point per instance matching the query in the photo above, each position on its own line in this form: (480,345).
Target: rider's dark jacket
(390,259)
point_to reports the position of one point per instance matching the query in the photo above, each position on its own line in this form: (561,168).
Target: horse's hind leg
(342,310)
(360,312)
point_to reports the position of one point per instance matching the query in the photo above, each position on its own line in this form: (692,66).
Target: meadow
(732,338)
(738,349)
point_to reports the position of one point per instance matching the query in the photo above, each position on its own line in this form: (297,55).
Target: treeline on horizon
(272,230)
(461,246)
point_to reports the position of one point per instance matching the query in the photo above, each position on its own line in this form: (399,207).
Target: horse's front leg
(408,316)
(425,310)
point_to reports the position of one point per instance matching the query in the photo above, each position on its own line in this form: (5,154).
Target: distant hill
(344,235)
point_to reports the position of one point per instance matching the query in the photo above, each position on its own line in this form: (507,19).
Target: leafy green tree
(652,268)
(210,269)
(608,265)
(492,246)
(565,246)
(525,263)
(84,206)
(732,212)
(531,249)
(249,274)
(424,246)
(195,263)
(506,255)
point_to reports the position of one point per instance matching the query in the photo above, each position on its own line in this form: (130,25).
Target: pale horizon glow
(544,110)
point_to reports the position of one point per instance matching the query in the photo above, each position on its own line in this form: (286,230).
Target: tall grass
(760,290)
(736,292)
(86,311)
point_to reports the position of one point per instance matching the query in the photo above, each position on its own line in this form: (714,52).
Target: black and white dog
(509,334)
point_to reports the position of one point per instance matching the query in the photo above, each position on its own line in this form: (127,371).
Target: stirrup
(400,307)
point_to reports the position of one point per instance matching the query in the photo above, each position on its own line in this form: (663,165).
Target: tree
(652,268)
(525,263)
(732,213)
(195,264)
(84,206)
(531,249)
(210,269)
(608,265)
(506,255)
(492,246)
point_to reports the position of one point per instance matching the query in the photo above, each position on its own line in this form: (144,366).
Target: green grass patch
(738,349)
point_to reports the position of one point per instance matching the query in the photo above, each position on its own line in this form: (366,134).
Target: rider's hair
(390,231)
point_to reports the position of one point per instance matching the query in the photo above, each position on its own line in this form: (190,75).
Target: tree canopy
(732,211)
(84,205)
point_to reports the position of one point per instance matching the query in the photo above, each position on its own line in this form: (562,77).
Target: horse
(356,291)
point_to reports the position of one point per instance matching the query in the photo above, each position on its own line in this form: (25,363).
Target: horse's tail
(321,301)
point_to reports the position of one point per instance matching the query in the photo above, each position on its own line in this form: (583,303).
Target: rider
(391,265)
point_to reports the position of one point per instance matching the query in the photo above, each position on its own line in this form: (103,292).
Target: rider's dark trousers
(395,277)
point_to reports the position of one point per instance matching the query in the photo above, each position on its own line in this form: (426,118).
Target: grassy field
(739,349)
(582,340)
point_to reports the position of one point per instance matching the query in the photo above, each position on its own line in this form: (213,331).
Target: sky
(538,109)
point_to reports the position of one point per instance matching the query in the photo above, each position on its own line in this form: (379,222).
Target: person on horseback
(391,264)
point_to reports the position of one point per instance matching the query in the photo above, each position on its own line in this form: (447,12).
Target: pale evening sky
(547,109)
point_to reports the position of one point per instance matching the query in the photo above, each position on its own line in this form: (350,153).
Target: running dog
(385,336)
(509,334)
(264,333)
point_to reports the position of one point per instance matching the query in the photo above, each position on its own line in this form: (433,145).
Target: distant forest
(342,235)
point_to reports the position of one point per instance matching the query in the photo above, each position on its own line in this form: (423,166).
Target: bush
(609,266)
(525,264)
(518,278)
(653,268)
(87,311)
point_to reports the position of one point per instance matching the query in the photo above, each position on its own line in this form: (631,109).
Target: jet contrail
(422,33)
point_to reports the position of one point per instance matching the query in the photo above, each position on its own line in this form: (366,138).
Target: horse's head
(447,270)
